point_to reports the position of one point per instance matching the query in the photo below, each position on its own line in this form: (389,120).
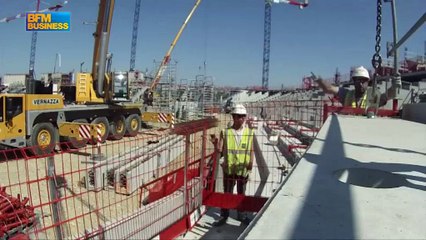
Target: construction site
(105,154)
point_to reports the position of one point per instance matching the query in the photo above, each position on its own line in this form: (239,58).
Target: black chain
(377,59)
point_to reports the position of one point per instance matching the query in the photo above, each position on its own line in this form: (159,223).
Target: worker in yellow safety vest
(360,95)
(237,151)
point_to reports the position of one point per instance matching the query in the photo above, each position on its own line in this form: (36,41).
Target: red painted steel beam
(356,111)
(175,230)
(195,126)
(291,147)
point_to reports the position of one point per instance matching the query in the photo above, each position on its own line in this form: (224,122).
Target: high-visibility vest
(351,101)
(238,156)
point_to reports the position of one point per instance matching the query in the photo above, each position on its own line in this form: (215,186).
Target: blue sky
(225,34)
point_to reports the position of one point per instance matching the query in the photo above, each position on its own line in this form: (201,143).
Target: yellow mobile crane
(35,118)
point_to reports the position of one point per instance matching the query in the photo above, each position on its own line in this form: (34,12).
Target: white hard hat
(361,72)
(239,109)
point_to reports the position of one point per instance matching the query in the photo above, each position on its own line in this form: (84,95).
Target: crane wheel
(117,127)
(133,123)
(104,127)
(72,142)
(43,138)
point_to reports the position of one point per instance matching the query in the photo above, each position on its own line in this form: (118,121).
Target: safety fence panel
(101,191)
(306,112)
(283,130)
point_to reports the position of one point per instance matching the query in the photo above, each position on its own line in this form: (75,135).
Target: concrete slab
(266,175)
(205,230)
(361,178)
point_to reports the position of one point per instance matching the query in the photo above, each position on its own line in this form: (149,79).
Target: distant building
(14,83)
(17,79)
(58,80)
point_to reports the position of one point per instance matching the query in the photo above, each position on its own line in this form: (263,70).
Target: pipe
(185,173)
(102,64)
(413,29)
(395,37)
(54,197)
(396,79)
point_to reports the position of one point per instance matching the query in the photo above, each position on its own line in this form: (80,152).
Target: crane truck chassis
(38,119)
(34,120)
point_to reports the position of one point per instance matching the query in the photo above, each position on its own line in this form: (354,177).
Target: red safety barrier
(357,111)
(170,182)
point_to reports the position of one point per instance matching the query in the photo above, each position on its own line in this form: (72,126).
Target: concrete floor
(360,179)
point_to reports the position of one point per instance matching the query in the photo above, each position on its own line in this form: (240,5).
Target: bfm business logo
(48,21)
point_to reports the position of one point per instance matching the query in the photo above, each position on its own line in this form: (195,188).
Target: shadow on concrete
(402,150)
(230,230)
(307,224)
(402,169)
(367,176)
(389,149)
(396,169)
(318,214)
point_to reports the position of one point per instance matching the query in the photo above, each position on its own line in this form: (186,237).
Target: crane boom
(267,35)
(148,95)
(33,48)
(266,45)
(103,29)
(293,2)
(134,35)
(24,14)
